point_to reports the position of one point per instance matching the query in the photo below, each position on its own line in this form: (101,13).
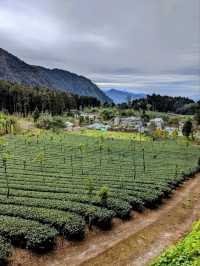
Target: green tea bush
(70,225)
(5,248)
(99,216)
(185,253)
(27,234)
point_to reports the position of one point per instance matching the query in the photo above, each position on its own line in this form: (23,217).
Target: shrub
(186,252)
(121,208)
(5,248)
(103,195)
(187,128)
(8,124)
(47,121)
(70,225)
(28,234)
(97,214)
(107,114)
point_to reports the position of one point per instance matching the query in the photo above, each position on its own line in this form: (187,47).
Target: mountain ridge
(119,96)
(16,70)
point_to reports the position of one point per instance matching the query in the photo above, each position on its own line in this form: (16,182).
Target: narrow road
(133,243)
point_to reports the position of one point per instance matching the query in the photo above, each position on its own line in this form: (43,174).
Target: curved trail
(135,242)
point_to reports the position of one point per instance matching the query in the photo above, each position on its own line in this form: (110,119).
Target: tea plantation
(54,184)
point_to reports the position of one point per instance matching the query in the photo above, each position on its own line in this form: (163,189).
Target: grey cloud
(107,38)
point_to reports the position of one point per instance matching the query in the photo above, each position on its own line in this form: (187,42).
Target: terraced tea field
(56,184)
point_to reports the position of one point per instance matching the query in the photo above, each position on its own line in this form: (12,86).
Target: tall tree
(187,128)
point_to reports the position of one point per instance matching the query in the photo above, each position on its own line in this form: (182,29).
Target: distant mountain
(15,70)
(196,98)
(119,96)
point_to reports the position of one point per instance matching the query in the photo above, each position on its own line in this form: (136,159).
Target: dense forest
(17,98)
(179,105)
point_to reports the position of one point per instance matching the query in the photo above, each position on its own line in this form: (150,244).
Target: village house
(87,116)
(68,126)
(156,123)
(131,122)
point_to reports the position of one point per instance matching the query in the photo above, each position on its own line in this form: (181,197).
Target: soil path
(135,242)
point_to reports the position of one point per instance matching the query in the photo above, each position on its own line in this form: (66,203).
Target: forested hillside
(179,105)
(23,99)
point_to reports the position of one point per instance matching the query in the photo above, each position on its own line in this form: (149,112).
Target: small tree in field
(175,134)
(103,195)
(187,129)
(157,134)
(165,134)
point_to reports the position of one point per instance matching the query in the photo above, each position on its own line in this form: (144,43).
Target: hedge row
(71,185)
(5,248)
(95,215)
(150,196)
(70,225)
(137,198)
(121,207)
(27,234)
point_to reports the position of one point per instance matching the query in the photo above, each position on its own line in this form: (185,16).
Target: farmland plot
(55,184)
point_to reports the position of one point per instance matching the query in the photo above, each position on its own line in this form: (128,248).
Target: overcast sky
(139,45)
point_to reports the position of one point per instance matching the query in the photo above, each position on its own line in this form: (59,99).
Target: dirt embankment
(135,242)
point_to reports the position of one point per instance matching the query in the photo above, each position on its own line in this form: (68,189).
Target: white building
(91,117)
(128,122)
(69,126)
(158,123)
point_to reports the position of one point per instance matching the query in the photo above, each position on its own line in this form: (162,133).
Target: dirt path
(134,242)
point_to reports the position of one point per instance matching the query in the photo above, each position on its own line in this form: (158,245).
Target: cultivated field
(55,184)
